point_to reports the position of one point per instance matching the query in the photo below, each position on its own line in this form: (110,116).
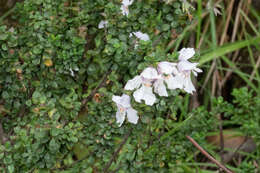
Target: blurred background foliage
(59,72)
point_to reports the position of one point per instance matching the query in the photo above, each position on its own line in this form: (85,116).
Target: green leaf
(88,170)
(5,95)
(3,36)
(218,52)
(38,98)
(80,150)
(2,155)
(10,168)
(74,139)
(55,131)
(40,134)
(165,27)
(4,47)
(53,145)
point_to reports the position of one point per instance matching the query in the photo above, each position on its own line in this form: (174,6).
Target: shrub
(59,71)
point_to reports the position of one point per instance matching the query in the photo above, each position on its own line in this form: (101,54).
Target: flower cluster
(154,80)
(157,80)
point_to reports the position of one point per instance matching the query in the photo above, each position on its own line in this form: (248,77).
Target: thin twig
(205,153)
(234,34)
(214,80)
(237,21)
(117,152)
(222,40)
(101,84)
(206,27)
(229,9)
(221,137)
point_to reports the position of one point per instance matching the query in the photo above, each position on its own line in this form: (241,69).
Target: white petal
(165,67)
(150,73)
(145,93)
(194,73)
(160,88)
(125,101)
(198,70)
(175,71)
(141,36)
(138,94)
(102,24)
(175,82)
(116,99)
(122,101)
(127,2)
(186,65)
(132,115)
(120,117)
(186,53)
(133,83)
(125,10)
(188,85)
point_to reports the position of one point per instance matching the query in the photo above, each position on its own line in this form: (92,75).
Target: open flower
(185,68)
(124,109)
(102,24)
(186,53)
(168,72)
(144,85)
(141,36)
(159,87)
(124,6)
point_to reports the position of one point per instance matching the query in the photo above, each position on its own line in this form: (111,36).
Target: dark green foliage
(54,59)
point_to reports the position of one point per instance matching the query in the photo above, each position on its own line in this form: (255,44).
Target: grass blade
(227,49)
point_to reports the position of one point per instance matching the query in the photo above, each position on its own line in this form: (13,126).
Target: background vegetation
(58,72)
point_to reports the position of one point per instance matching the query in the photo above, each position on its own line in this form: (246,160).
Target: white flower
(145,80)
(127,2)
(124,108)
(185,68)
(188,66)
(140,35)
(179,77)
(124,6)
(186,53)
(102,24)
(159,87)
(145,93)
(166,67)
(168,72)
